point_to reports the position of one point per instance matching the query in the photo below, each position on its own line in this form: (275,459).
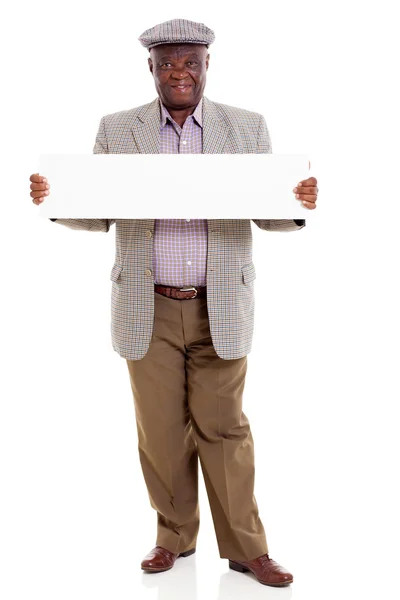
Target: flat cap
(177,31)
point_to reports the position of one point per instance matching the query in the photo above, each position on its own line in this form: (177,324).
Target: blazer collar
(146,128)
(197,114)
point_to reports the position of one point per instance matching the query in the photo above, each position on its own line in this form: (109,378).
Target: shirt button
(148,233)
(147,272)
(189,262)
(184,142)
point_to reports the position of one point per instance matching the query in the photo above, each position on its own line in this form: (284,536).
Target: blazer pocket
(116,272)
(248,273)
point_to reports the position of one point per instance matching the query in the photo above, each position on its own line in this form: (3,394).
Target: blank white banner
(168,186)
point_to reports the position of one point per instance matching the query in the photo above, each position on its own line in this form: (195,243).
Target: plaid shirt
(180,245)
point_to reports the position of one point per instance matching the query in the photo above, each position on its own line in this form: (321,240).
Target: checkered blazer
(230,270)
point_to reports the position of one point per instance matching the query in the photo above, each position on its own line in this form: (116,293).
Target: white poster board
(166,186)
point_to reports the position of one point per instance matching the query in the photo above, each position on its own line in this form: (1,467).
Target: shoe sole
(241,569)
(157,570)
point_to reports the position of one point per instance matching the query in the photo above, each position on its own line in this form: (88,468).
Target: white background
(322,386)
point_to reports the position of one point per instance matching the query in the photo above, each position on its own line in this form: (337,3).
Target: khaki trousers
(188,405)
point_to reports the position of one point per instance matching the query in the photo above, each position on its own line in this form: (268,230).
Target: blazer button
(147,272)
(148,233)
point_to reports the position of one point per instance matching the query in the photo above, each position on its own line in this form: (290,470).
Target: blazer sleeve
(100,147)
(264,146)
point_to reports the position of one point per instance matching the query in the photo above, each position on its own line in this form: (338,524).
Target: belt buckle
(186,289)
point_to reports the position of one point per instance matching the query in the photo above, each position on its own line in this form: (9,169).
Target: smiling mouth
(181,88)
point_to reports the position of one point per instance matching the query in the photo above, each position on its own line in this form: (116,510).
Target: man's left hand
(307,192)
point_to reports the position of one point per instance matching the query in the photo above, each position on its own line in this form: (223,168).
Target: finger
(310,205)
(309,181)
(36,178)
(307,198)
(40,186)
(38,199)
(37,193)
(306,190)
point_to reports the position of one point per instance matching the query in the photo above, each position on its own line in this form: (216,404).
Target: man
(183,309)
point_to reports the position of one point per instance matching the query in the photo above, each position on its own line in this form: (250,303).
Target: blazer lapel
(219,135)
(146,129)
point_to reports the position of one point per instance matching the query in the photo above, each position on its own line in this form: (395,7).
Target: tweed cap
(177,31)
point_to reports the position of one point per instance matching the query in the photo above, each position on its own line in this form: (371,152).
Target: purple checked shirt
(180,245)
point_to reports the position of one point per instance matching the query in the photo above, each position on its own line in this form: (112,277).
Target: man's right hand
(40,188)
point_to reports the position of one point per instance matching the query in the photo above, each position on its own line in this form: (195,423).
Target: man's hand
(40,188)
(307,192)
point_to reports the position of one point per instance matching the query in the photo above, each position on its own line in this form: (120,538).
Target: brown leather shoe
(266,570)
(161,559)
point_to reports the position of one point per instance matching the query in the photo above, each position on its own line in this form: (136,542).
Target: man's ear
(150,63)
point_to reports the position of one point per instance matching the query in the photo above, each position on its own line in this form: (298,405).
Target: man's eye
(190,62)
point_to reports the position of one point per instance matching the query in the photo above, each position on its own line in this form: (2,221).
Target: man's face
(184,65)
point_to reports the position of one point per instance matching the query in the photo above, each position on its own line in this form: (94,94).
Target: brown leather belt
(185,293)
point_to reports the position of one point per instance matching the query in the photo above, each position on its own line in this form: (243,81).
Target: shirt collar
(197,114)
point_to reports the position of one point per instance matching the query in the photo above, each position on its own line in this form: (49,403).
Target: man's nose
(180,74)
